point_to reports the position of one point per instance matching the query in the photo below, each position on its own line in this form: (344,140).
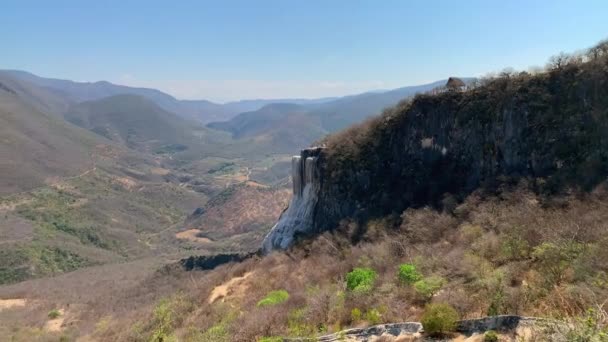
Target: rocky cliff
(550,128)
(299,216)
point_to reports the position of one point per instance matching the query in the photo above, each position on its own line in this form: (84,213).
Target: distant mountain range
(200,110)
(43,118)
(295,125)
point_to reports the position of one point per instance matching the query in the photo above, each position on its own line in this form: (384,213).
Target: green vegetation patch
(23,262)
(56,211)
(170,149)
(439,319)
(361,279)
(490,336)
(274,298)
(408,274)
(222,168)
(54,314)
(429,286)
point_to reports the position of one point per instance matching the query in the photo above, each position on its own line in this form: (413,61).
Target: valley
(462,209)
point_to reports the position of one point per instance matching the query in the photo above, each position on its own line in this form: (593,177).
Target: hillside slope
(36,145)
(131,120)
(285,126)
(436,148)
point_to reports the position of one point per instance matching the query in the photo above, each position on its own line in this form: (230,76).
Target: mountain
(200,110)
(252,105)
(134,121)
(282,125)
(88,91)
(293,125)
(445,146)
(36,145)
(43,99)
(345,111)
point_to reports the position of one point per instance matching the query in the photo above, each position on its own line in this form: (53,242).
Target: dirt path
(230,287)
(191,235)
(12,303)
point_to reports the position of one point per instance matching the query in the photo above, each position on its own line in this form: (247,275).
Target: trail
(228,287)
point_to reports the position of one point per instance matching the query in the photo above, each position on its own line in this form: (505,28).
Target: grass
(274,298)
(464,260)
(54,314)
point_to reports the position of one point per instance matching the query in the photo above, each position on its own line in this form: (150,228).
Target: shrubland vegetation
(439,319)
(492,254)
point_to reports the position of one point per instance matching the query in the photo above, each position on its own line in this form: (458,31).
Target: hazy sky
(226,50)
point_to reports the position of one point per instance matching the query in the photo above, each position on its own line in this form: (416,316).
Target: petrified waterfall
(298,218)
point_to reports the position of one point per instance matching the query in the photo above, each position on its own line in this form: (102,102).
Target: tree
(429,286)
(361,279)
(554,259)
(558,61)
(408,274)
(439,319)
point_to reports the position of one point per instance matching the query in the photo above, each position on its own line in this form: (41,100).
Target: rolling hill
(199,110)
(295,125)
(36,145)
(285,127)
(135,122)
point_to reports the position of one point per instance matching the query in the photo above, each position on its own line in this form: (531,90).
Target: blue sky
(227,50)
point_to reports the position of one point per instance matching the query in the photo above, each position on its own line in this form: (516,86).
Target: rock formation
(550,129)
(518,328)
(299,216)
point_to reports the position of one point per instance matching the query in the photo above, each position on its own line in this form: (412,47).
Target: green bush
(490,336)
(297,324)
(274,298)
(270,339)
(355,315)
(373,316)
(361,279)
(218,333)
(553,259)
(408,274)
(53,314)
(590,327)
(427,287)
(439,319)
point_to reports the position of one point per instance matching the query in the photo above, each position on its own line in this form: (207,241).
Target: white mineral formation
(298,218)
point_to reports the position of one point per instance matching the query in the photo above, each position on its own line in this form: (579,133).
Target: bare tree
(558,61)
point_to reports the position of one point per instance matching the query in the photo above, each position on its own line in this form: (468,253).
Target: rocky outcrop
(209,262)
(298,219)
(366,334)
(497,323)
(518,328)
(550,128)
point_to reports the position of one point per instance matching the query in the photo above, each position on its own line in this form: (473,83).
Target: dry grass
(469,248)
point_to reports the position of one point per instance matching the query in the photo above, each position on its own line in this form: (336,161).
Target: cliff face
(299,217)
(552,128)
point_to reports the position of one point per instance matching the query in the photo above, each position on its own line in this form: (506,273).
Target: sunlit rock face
(298,218)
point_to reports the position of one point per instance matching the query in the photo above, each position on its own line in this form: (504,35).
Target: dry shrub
(426,225)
